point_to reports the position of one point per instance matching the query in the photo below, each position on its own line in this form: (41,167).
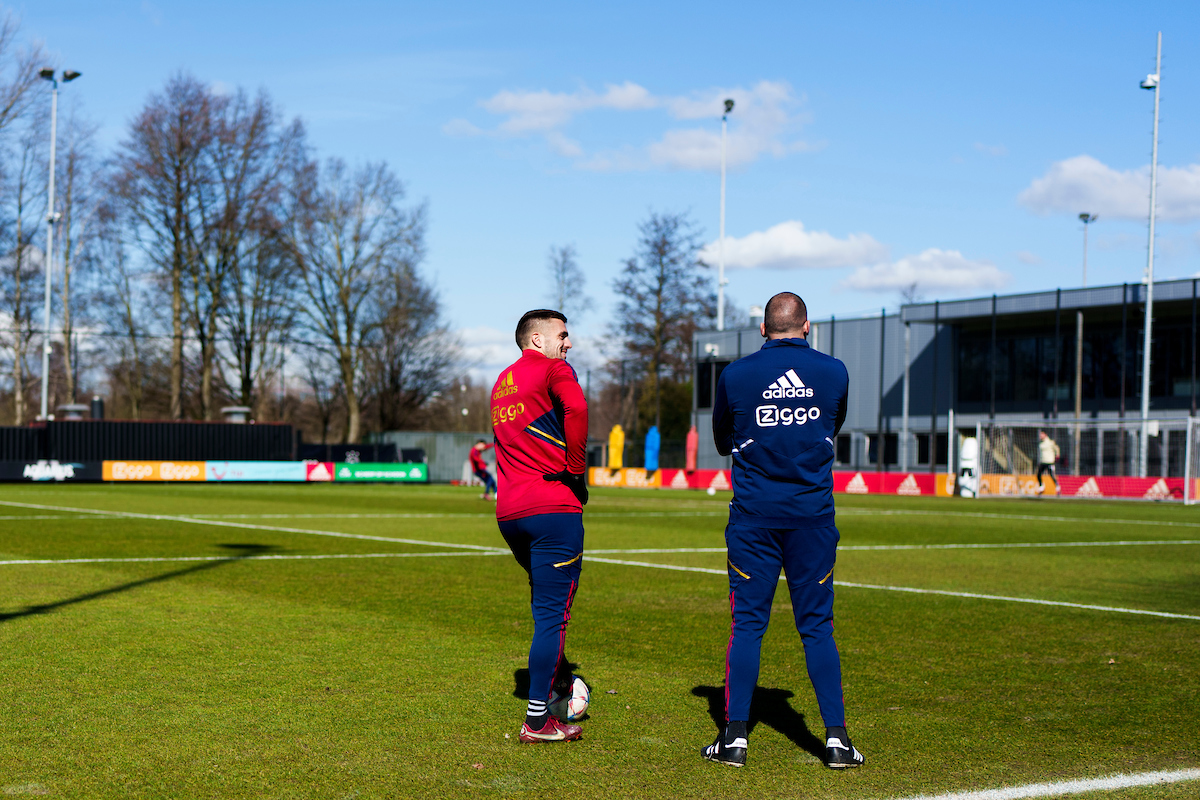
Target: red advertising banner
(318,470)
(900,483)
(1097,486)
(697,479)
(912,484)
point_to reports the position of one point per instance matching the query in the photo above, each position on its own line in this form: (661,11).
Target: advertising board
(394,473)
(170,471)
(58,471)
(256,471)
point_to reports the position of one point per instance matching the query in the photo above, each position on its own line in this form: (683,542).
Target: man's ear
(807,328)
(762,329)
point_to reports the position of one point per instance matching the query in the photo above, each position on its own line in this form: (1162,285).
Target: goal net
(1084,458)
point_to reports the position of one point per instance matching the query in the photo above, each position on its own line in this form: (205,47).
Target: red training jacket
(477,462)
(540,419)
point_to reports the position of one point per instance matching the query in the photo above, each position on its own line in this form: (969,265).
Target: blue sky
(874,144)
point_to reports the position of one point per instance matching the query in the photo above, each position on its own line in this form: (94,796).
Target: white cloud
(544,110)
(1026,257)
(760,125)
(789,246)
(488,351)
(1084,184)
(991,149)
(931,270)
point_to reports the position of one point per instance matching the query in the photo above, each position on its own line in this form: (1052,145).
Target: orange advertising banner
(154,470)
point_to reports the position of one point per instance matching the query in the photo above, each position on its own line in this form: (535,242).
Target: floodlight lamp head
(728,105)
(1151,81)
(47,73)
(70,75)
(1086,218)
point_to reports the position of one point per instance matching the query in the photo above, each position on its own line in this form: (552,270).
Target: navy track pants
(756,556)
(489,483)
(549,547)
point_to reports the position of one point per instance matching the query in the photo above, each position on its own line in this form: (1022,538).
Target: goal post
(1191,475)
(1091,458)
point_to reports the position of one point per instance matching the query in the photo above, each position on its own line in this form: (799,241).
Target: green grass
(393,677)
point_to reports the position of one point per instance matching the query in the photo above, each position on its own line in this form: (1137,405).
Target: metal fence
(1086,447)
(445,452)
(98,440)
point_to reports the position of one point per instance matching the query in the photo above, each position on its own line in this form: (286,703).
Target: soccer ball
(712,492)
(570,708)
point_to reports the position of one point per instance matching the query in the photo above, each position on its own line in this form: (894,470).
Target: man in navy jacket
(778,412)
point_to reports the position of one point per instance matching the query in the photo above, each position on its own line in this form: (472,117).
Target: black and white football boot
(732,753)
(839,755)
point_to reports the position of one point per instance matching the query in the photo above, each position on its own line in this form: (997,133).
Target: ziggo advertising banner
(901,483)
(283,471)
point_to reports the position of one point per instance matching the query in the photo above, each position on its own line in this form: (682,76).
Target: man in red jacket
(479,467)
(540,420)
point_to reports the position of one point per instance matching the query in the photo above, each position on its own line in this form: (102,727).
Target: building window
(842,450)
(891,448)
(943,448)
(707,375)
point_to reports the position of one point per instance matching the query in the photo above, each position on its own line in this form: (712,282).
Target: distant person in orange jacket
(479,467)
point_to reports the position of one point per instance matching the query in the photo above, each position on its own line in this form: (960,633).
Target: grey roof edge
(1030,302)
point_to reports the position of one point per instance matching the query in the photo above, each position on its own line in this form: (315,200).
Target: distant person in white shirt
(1047,455)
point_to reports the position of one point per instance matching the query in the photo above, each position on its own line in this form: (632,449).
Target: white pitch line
(863,512)
(977,596)
(229,524)
(35,516)
(315,557)
(912,590)
(967,546)
(1109,784)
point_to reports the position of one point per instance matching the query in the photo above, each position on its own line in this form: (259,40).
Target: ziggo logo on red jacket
(507,413)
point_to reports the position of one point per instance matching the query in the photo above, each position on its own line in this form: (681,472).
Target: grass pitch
(310,648)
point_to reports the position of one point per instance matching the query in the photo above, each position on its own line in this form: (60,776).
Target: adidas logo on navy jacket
(778,411)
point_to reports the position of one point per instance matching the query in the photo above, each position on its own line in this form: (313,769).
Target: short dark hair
(530,320)
(480,441)
(785,312)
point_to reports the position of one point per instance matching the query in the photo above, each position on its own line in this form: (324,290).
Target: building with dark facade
(934,366)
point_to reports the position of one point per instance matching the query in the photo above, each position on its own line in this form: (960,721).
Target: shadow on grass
(242,552)
(770,707)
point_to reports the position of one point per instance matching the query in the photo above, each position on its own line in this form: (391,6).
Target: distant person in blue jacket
(778,412)
(653,442)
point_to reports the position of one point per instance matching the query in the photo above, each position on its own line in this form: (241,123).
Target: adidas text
(788,385)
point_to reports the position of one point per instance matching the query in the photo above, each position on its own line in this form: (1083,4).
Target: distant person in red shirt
(479,467)
(540,420)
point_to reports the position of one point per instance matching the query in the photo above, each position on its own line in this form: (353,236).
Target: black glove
(576,483)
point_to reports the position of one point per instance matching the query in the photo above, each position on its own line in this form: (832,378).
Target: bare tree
(349,235)
(255,156)
(664,292)
(77,198)
(159,177)
(567,281)
(910,294)
(18,72)
(413,352)
(23,200)
(121,300)
(319,373)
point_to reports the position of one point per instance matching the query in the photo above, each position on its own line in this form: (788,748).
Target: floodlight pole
(721,241)
(1152,82)
(1086,219)
(48,266)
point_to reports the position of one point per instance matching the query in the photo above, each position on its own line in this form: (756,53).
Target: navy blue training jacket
(778,411)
